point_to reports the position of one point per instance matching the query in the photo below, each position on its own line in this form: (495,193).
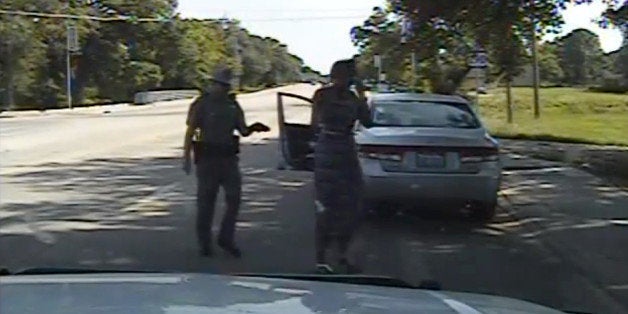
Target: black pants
(338,188)
(212,173)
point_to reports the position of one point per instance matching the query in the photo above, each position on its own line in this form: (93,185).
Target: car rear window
(424,114)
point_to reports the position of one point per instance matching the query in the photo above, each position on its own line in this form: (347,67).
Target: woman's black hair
(343,68)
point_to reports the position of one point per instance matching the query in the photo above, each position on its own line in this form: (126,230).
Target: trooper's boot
(324,269)
(206,250)
(231,248)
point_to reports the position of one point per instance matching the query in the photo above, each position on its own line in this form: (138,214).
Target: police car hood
(203,293)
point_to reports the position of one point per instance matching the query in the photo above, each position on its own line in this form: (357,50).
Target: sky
(318,31)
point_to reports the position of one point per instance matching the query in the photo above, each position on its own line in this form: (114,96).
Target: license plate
(430,161)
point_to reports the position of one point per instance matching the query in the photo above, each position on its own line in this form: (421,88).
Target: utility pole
(377,60)
(478,64)
(232,41)
(68,62)
(509,99)
(535,62)
(413,56)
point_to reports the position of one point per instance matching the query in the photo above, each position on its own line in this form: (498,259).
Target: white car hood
(409,136)
(201,293)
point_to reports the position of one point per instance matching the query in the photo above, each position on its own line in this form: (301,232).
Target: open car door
(295,134)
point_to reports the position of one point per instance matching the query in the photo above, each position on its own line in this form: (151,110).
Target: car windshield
(424,114)
(478,145)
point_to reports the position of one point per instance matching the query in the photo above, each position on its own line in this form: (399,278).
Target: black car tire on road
(483,211)
(380,211)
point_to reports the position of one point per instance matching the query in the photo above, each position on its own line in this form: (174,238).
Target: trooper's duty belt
(204,150)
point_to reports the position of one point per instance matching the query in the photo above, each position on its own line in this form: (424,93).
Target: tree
(22,51)
(146,76)
(550,69)
(254,61)
(448,30)
(621,62)
(119,58)
(618,16)
(581,57)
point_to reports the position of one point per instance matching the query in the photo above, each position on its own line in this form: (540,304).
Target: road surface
(102,188)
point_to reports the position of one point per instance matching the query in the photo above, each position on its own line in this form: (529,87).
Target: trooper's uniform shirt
(216,117)
(215,121)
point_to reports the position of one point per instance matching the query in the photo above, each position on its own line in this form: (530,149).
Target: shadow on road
(580,219)
(99,194)
(139,214)
(132,214)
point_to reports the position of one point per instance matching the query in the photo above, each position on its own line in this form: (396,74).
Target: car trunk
(427,150)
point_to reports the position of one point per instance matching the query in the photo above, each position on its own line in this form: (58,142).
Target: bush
(612,85)
(144,75)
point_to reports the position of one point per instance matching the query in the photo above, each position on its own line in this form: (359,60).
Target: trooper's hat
(222,75)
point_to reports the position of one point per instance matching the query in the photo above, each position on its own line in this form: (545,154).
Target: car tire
(483,212)
(385,211)
(368,210)
(377,211)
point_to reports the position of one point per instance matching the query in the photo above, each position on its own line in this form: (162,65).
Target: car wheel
(369,209)
(483,212)
(377,211)
(385,211)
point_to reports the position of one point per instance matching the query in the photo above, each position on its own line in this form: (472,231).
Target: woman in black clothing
(337,172)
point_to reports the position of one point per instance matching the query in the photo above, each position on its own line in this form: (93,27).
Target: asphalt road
(102,188)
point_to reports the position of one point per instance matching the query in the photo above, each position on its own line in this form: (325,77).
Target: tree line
(118,58)
(446,34)
(578,60)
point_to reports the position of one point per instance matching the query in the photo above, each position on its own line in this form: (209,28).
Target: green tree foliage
(618,17)
(119,58)
(550,69)
(581,57)
(446,32)
(621,62)
(145,75)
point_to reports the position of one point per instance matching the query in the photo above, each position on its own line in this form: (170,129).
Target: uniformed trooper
(212,119)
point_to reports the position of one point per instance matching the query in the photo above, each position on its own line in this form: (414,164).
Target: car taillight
(380,153)
(473,155)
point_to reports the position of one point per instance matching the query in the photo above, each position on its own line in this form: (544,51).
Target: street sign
(73,42)
(406,29)
(480,60)
(377,61)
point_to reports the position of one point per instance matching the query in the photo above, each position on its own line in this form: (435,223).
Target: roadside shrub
(611,85)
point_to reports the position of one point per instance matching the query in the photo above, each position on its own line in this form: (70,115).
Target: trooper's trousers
(213,173)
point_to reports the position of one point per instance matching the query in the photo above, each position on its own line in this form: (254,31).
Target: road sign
(377,61)
(406,29)
(480,60)
(73,42)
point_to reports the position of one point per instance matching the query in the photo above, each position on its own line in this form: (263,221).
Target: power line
(284,10)
(82,17)
(304,18)
(164,19)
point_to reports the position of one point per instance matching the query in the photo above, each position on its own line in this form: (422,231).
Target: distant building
(474,77)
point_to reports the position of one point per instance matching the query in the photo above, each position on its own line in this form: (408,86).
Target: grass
(567,115)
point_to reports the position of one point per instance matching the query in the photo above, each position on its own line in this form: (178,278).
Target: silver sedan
(429,149)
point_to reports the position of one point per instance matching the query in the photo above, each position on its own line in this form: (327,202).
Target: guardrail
(143,98)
